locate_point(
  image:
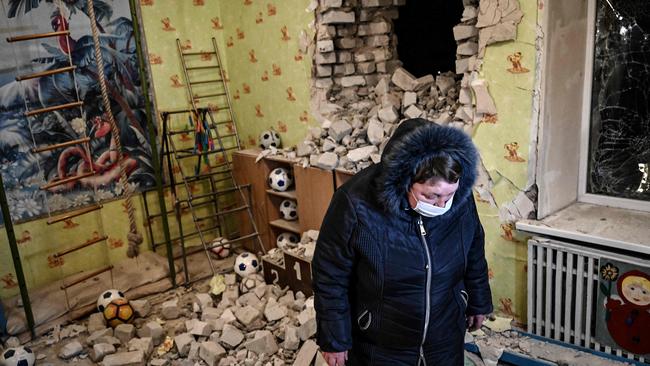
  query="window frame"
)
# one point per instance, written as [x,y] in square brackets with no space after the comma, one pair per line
[583,170]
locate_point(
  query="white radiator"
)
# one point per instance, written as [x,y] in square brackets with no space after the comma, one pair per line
[563,292]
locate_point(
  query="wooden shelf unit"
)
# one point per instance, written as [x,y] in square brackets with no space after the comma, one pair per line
[312,190]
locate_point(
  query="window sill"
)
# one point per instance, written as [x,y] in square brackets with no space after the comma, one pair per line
[600,225]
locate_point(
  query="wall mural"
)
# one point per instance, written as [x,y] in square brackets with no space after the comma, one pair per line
[24,171]
[623,319]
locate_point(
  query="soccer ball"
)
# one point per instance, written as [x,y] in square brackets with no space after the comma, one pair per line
[270,138]
[287,240]
[19,356]
[223,250]
[280,179]
[246,264]
[106,297]
[117,312]
[289,210]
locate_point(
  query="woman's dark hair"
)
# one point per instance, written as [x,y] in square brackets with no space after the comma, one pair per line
[444,167]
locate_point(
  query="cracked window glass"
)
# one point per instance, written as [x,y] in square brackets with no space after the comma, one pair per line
[619,146]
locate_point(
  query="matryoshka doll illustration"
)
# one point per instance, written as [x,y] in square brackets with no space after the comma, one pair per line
[628,318]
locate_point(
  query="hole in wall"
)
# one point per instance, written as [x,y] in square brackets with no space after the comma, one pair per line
[425,41]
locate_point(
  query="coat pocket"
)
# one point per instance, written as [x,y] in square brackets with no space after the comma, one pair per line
[364,320]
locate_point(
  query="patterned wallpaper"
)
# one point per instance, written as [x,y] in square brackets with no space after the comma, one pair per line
[504,143]
[259,43]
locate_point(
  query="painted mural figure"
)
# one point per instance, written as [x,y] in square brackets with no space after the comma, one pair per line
[628,318]
[19,135]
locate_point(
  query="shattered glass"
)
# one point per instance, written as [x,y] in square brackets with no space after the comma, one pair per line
[619,148]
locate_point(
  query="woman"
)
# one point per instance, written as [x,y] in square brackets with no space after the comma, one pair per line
[399,270]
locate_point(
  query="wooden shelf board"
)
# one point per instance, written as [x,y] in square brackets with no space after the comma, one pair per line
[292,226]
[291,194]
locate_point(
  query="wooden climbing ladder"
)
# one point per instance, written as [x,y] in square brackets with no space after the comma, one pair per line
[32,114]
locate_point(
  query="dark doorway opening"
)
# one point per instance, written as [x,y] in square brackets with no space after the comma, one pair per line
[425,39]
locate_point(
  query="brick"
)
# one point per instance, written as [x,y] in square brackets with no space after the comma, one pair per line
[337,17]
[366,67]
[403,79]
[377,41]
[211,353]
[464,31]
[324,58]
[124,332]
[231,336]
[344,69]
[346,43]
[325,46]
[125,359]
[376,3]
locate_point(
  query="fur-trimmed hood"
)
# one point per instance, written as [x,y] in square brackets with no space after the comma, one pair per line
[414,141]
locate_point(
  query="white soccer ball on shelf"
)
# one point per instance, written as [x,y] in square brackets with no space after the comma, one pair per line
[106,297]
[18,356]
[280,179]
[289,210]
[246,264]
[270,138]
[287,240]
[221,247]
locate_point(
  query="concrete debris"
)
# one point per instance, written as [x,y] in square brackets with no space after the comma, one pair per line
[125,359]
[96,322]
[211,353]
[70,350]
[170,309]
[142,308]
[141,344]
[183,343]
[231,336]
[100,351]
[263,342]
[124,332]
[306,353]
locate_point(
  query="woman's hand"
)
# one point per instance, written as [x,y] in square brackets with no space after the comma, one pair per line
[335,358]
[475,322]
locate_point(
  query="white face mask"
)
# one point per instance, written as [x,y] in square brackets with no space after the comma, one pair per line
[429,210]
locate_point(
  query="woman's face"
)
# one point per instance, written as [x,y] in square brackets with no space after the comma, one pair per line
[435,191]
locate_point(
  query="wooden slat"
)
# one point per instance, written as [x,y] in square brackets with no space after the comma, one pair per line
[286,194]
[27,37]
[203,67]
[67,180]
[197,53]
[45,73]
[205,81]
[209,95]
[53,108]
[292,226]
[83,278]
[61,145]
[73,214]
[80,246]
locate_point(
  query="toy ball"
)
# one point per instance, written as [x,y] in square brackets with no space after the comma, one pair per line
[18,356]
[270,138]
[106,297]
[287,240]
[221,247]
[280,179]
[246,264]
[117,312]
[289,210]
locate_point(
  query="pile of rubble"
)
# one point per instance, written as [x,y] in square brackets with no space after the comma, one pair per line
[303,249]
[251,324]
[364,93]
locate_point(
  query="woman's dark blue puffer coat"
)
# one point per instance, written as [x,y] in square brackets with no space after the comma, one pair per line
[391,289]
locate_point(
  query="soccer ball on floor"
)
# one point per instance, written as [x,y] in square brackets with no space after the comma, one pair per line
[270,138]
[289,210]
[106,297]
[118,311]
[18,356]
[246,264]
[287,240]
[223,248]
[280,179]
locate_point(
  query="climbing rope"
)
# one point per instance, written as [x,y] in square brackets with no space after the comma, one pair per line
[134,238]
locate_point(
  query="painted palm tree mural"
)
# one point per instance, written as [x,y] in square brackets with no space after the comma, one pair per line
[23,171]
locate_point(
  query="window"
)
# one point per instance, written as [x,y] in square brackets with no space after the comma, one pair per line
[615,154]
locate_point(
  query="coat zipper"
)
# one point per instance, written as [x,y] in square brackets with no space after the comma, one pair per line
[427,311]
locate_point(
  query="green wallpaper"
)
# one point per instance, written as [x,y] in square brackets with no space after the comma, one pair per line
[504,144]
[259,43]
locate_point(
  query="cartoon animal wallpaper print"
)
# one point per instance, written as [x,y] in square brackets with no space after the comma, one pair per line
[512,152]
[515,60]
[167,25]
[624,307]
[216,23]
